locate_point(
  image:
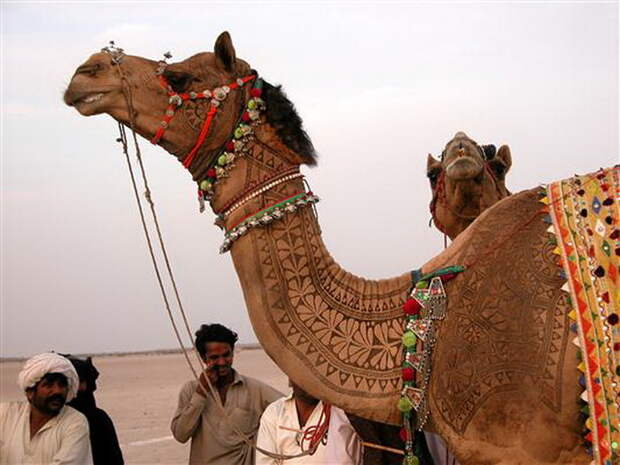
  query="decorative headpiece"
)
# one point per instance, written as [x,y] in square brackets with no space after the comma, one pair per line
[115,52]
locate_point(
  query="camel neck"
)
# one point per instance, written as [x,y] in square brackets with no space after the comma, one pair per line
[300,299]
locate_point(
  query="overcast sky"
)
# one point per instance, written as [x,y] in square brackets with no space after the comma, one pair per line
[379,85]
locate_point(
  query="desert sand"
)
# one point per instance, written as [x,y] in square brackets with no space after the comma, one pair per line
[140,393]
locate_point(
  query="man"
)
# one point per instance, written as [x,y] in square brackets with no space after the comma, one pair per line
[44,430]
[215,435]
[301,422]
[103,439]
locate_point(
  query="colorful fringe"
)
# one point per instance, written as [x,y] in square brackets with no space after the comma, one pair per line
[584,213]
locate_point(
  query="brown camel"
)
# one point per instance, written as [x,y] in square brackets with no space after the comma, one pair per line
[467,180]
[503,387]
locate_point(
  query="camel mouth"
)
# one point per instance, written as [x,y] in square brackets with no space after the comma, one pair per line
[86,103]
[91,98]
[79,98]
[463,167]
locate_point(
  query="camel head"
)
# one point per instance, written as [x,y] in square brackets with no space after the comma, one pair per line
[105,83]
[466,180]
[97,87]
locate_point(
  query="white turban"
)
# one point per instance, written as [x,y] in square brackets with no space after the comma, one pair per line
[38,366]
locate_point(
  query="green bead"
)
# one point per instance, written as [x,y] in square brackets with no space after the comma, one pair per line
[205,185]
[614,445]
[238,133]
[409,339]
[411,460]
[222,160]
[404,404]
[421,285]
[252,104]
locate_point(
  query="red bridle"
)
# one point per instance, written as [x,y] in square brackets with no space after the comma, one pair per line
[176,100]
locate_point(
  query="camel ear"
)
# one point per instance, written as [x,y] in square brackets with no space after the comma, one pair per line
[431,163]
[433,169]
[225,52]
[502,162]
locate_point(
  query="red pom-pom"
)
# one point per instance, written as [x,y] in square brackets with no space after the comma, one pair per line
[411,307]
[230,146]
[403,434]
[408,374]
[211,173]
[245,116]
[256,92]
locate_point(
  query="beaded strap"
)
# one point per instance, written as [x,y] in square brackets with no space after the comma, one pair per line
[266,216]
[425,305]
[258,192]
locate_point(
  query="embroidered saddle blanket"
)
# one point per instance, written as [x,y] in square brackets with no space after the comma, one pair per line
[586,222]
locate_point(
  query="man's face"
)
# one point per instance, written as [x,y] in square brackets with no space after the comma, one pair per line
[219,357]
[302,395]
[50,394]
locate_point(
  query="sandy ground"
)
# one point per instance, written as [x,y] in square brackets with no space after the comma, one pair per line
[140,393]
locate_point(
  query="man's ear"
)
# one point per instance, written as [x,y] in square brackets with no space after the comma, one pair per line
[225,52]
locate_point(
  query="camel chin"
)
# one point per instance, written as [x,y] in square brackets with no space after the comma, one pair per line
[464,168]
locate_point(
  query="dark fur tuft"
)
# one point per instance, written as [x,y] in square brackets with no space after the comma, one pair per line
[281,114]
[489,151]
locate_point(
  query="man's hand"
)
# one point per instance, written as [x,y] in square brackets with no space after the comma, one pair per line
[210,371]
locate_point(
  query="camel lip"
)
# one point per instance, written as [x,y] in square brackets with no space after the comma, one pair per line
[464,167]
[73,99]
[462,160]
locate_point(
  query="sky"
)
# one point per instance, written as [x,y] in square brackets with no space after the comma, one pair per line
[378,85]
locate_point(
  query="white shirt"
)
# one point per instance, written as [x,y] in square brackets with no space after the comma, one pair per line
[63,440]
[279,432]
[439,450]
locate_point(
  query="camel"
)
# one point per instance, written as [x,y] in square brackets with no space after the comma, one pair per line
[466,180]
[503,387]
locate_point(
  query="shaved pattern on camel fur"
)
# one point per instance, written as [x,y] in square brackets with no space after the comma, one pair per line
[504,382]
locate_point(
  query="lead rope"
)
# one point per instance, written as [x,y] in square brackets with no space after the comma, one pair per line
[123,140]
[147,193]
[218,401]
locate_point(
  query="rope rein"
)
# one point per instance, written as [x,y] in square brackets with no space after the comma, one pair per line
[147,193]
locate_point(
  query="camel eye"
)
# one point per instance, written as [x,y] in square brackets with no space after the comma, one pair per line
[90,69]
[498,168]
[178,80]
[433,176]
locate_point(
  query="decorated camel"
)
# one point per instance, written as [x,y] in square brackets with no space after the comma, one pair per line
[478,342]
[466,180]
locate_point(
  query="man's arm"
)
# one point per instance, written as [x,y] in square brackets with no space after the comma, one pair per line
[75,444]
[187,416]
[266,438]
